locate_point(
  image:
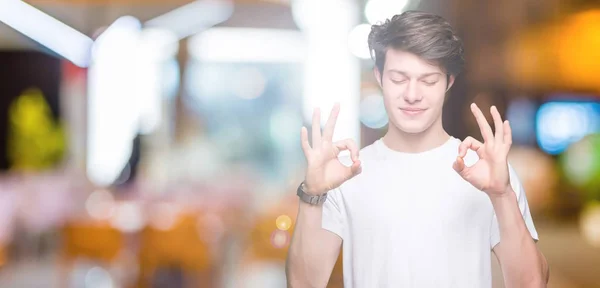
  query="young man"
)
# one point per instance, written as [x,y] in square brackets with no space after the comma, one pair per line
[417,208]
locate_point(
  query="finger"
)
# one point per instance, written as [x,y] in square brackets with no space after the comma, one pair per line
[304,139]
[330,126]
[352,171]
[484,127]
[507,133]
[498,126]
[469,143]
[316,128]
[459,165]
[348,144]
[356,168]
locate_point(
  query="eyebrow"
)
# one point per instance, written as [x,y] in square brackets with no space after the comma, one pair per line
[419,76]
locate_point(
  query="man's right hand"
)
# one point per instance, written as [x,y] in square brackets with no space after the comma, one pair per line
[324,171]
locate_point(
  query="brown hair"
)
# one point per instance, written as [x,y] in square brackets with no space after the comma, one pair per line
[426,35]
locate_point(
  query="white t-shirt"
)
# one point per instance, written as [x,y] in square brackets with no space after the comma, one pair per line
[409,220]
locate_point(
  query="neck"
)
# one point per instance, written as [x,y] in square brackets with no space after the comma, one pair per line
[432,137]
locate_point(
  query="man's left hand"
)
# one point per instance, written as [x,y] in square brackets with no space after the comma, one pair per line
[490,173]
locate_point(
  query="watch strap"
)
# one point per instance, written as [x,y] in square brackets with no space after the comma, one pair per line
[310,199]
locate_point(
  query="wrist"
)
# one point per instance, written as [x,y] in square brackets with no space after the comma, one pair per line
[499,198]
[313,190]
[310,198]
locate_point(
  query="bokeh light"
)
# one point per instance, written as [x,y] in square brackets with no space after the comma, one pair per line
[211,227]
[86,273]
[128,217]
[578,49]
[280,239]
[171,79]
[521,114]
[164,215]
[590,223]
[378,11]
[113,105]
[310,15]
[250,83]
[283,222]
[358,41]
[561,123]
[372,111]
[206,83]
[158,44]
[581,164]
[538,174]
[98,277]
[100,205]
[283,124]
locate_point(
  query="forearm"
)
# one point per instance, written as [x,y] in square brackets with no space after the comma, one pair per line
[313,250]
[522,263]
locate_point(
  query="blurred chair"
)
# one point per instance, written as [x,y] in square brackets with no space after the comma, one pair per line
[337,278]
[3,256]
[263,247]
[93,240]
[181,246]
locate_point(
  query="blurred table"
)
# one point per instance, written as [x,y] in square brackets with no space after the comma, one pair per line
[569,255]
[573,262]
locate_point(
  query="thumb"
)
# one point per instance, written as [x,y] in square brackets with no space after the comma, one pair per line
[459,165]
[355,169]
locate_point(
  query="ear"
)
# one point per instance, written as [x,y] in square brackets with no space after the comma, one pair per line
[450,82]
[377,75]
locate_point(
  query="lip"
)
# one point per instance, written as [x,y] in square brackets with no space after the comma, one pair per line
[412,111]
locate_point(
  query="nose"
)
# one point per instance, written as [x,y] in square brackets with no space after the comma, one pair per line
[411,95]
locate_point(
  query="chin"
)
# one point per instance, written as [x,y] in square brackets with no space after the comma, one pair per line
[410,127]
[412,130]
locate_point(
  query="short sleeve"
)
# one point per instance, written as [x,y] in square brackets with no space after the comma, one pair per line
[523,207]
[333,218]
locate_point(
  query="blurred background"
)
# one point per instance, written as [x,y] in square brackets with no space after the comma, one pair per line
[156,143]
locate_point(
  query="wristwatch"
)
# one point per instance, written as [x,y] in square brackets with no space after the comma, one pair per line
[310,199]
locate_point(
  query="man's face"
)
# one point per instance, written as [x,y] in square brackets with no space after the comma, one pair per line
[413,91]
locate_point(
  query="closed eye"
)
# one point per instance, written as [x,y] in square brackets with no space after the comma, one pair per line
[398,81]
